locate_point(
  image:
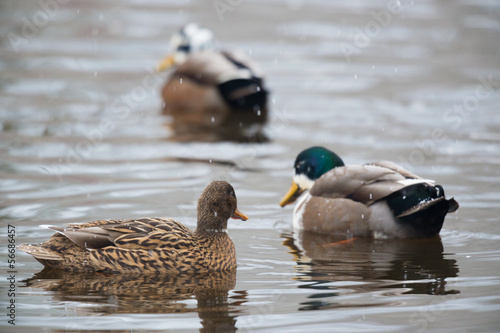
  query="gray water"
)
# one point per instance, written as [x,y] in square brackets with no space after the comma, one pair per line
[82,138]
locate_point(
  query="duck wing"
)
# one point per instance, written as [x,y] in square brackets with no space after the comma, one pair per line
[207,68]
[395,167]
[214,68]
[241,61]
[362,183]
[143,233]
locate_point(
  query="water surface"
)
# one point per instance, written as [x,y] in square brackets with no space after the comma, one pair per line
[82,138]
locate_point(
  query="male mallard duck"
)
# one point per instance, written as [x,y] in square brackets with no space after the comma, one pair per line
[148,244]
[212,90]
[376,199]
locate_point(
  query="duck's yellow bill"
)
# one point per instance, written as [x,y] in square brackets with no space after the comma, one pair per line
[165,63]
[239,215]
[293,193]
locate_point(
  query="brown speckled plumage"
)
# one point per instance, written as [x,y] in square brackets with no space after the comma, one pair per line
[148,244]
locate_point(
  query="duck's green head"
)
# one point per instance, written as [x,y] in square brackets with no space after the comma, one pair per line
[309,165]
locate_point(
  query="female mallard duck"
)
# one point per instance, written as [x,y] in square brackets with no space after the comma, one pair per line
[148,245]
[376,199]
[210,90]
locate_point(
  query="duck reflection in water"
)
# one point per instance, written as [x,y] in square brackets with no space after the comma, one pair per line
[416,266]
[157,293]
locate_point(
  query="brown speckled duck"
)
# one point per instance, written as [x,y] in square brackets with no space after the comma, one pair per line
[148,245]
[212,91]
[379,199]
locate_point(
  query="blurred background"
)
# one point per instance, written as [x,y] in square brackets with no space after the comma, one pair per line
[82,138]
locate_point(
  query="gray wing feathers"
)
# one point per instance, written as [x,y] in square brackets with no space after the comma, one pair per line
[363,183]
[395,167]
[90,238]
[212,68]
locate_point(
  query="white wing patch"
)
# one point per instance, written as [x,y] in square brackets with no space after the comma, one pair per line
[408,182]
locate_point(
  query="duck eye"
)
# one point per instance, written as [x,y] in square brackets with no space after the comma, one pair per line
[231,193]
[303,167]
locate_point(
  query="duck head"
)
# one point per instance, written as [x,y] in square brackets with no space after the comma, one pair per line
[309,165]
[191,38]
[216,205]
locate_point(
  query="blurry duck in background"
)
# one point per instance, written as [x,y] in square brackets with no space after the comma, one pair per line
[379,199]
[212,95]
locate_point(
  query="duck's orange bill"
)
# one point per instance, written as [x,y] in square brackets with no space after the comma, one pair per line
[239,215]
[165,63]
[293,193]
